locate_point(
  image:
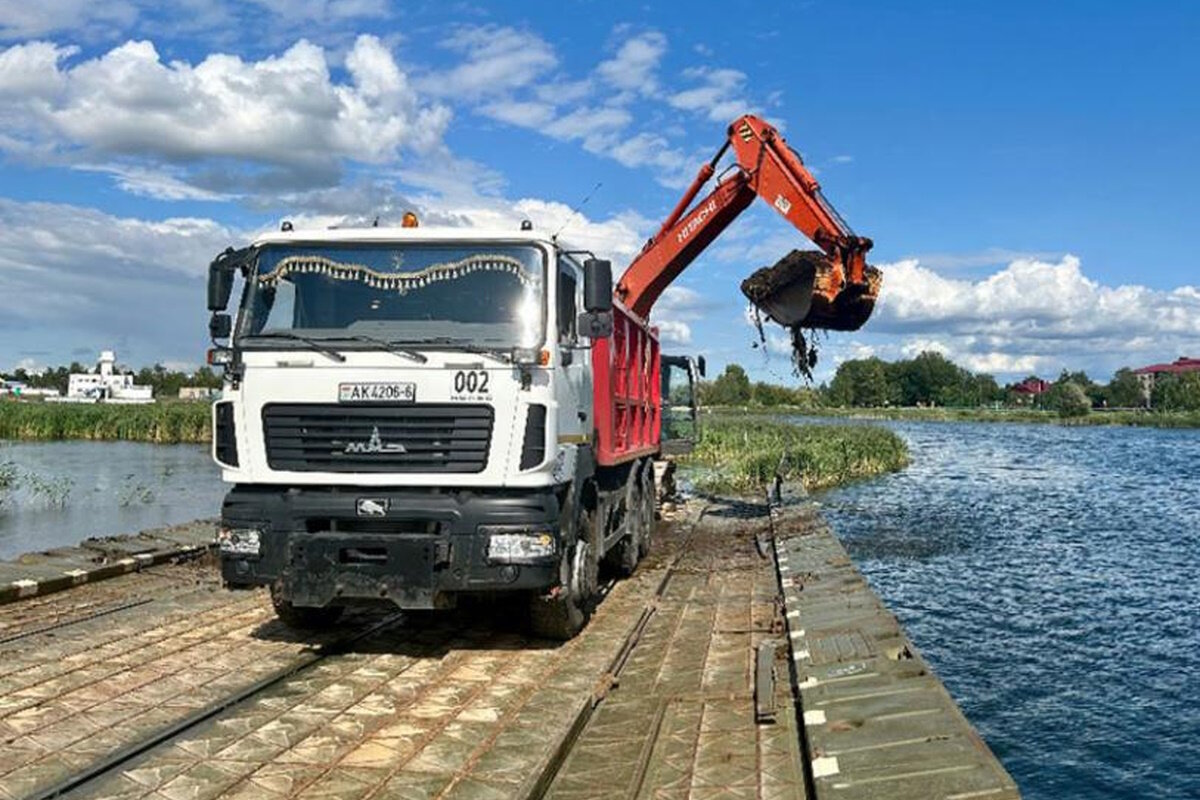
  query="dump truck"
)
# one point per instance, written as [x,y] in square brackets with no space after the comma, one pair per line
[413,415]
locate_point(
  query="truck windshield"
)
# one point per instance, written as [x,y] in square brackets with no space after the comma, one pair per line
[490,295]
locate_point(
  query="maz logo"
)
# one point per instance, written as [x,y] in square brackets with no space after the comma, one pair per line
[375,445]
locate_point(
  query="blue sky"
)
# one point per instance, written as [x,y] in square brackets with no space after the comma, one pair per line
[1027,170]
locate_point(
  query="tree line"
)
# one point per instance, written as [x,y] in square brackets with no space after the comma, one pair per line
[165,382]
[931,379]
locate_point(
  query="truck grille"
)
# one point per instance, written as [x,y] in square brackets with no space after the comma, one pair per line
[313,437]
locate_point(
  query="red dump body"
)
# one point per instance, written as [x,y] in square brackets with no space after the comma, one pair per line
[627,388]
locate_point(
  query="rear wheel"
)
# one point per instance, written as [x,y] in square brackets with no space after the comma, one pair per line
[649,508]
[563,613]
[304,617]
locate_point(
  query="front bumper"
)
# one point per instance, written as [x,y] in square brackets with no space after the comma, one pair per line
[417,548]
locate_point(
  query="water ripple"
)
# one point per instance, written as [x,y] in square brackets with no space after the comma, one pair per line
[1050,576]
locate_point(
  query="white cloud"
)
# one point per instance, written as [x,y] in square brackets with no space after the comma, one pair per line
[1034,315]
[719,95]
[324,10]
[1030,297]
[522,113]
[497,60]
[633,67]
[676,310]
[672,331]
[283,116]
[24,20]
[86,279]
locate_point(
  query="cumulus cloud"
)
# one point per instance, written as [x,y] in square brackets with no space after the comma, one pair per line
[1034,315]
[223,125]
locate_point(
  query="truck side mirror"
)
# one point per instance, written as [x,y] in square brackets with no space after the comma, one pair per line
[220,281]
[597,320]
[700,366]
[597,285]
[220,325]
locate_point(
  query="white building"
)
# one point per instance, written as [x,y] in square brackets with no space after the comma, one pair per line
[106,385]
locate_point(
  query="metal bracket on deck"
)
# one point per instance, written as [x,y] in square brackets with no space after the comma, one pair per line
[764,681]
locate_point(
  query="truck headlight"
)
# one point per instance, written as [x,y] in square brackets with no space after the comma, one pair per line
[508,546]
[239,541]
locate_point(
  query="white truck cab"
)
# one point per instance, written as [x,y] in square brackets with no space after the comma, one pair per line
[407,417]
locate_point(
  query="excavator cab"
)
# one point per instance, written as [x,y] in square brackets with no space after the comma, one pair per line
[680,405]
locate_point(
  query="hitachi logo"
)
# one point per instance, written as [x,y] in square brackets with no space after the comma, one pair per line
[698,218]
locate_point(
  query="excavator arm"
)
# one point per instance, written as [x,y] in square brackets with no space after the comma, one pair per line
[834,289]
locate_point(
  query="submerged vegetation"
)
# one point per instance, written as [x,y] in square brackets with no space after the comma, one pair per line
[163,423]
[743,454]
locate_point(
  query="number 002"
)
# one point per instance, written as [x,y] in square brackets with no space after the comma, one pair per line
[471,381]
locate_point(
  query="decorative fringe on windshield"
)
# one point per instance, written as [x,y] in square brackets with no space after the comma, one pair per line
[399,281]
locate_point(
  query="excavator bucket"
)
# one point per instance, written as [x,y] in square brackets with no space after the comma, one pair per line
[804,289]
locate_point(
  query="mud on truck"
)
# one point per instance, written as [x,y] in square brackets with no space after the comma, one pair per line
[412,415]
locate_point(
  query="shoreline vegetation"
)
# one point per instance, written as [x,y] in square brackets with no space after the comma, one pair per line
[190,422]
[1141,418]
[165,422]
[741,454]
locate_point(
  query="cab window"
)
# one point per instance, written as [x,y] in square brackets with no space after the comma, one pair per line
[569,287]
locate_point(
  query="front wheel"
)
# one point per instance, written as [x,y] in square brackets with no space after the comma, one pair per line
[563,614]
[303,617]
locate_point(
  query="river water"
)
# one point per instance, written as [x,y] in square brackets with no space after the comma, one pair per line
[1050,575]
[64,492]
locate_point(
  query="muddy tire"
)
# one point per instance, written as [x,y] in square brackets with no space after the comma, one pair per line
[628,551]
[563,614]
[649,509]
[302,617]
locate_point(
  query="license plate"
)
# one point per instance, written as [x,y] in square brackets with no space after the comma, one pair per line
[377,392]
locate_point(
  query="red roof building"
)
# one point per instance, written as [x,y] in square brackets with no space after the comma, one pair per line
[1032,387]
[1175,367]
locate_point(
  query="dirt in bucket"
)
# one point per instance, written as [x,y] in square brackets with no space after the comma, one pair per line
[795,292]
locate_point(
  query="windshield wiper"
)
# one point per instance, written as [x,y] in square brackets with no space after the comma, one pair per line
[319,346]
[391,347]
[468,346]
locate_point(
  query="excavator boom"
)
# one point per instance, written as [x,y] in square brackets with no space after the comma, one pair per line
[834,289]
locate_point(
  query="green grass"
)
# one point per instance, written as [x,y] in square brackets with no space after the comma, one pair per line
[740,455]
[163,423]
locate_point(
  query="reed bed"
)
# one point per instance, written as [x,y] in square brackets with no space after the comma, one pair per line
[1140,418]
[162,423]
[741,455]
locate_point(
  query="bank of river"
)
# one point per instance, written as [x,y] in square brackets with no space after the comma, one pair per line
[64,492]
[1049,574]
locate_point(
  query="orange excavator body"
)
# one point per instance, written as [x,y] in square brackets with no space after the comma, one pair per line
[834,289]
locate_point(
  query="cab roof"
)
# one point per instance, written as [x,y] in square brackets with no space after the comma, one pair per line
[421,234]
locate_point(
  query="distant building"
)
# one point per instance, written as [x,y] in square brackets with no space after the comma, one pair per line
[106,385]
[197,393]
[1030,388]
[1148,374]
[21,389]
